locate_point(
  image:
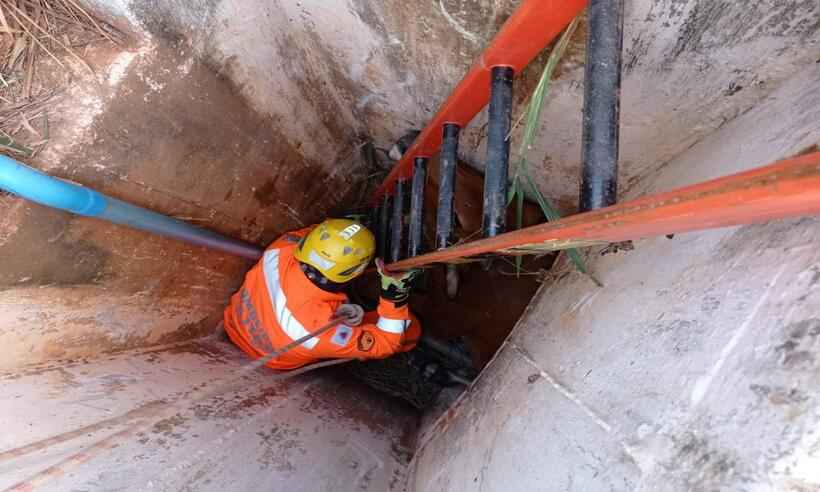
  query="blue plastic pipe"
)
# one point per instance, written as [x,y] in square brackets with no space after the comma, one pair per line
[36,186]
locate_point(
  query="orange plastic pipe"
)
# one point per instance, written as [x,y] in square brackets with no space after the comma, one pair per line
[528,31]
[788,188]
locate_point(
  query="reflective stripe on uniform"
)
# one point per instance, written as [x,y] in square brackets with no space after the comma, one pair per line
[396,326]
[249,319]
[290,325]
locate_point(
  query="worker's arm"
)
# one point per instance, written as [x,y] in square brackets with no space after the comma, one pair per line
[380,335]
[383,333]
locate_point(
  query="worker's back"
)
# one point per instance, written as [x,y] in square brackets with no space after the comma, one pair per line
[278,304]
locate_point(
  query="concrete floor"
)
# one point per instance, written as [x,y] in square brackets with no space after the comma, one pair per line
[316,432]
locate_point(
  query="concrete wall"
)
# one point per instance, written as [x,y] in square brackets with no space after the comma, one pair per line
[315,432]
[379,68]
[162,127]
[331,72]
[694,368]
[243,117]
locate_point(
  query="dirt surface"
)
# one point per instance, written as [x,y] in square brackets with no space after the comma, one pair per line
[487,307]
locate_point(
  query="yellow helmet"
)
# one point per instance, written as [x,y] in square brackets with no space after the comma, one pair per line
[339,248]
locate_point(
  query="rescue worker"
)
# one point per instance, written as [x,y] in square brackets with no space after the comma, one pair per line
[297,287]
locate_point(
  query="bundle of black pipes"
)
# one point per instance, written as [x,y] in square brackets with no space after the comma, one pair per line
[599,154]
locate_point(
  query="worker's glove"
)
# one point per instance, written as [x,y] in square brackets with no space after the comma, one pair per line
[395,286]
[352,313]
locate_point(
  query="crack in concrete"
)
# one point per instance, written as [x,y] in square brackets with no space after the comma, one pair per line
[571,396]
[703,383]
[566,392]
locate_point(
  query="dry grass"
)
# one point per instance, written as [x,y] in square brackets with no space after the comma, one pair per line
[41,36]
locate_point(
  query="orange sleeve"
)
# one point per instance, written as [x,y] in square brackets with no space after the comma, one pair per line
[381,334]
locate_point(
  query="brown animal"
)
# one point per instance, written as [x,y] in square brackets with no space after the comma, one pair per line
[468,203]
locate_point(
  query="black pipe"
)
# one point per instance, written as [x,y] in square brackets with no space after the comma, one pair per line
[384,227]
[372,223]
[415,236]
[373,219]
[397,223]
[446,350]
[447,185]
[602,95]
[498,151]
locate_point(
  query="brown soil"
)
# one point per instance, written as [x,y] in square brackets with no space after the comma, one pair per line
[489,302]
[487,306]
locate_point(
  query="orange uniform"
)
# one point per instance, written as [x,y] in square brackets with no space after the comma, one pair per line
[278,304]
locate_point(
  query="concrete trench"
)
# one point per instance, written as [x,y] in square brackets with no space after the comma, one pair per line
[695,367]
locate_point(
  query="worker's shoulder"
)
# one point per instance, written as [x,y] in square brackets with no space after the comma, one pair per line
[289,239]
[297,235]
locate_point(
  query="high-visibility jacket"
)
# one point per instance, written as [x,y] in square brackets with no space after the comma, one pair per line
[278,304]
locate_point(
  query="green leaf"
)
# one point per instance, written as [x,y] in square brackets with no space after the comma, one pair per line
[550,212]
[519,221]
[575,256]
[537,101]
[530,129]
[514,188]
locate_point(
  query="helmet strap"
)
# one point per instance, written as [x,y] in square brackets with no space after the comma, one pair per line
[319,280]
